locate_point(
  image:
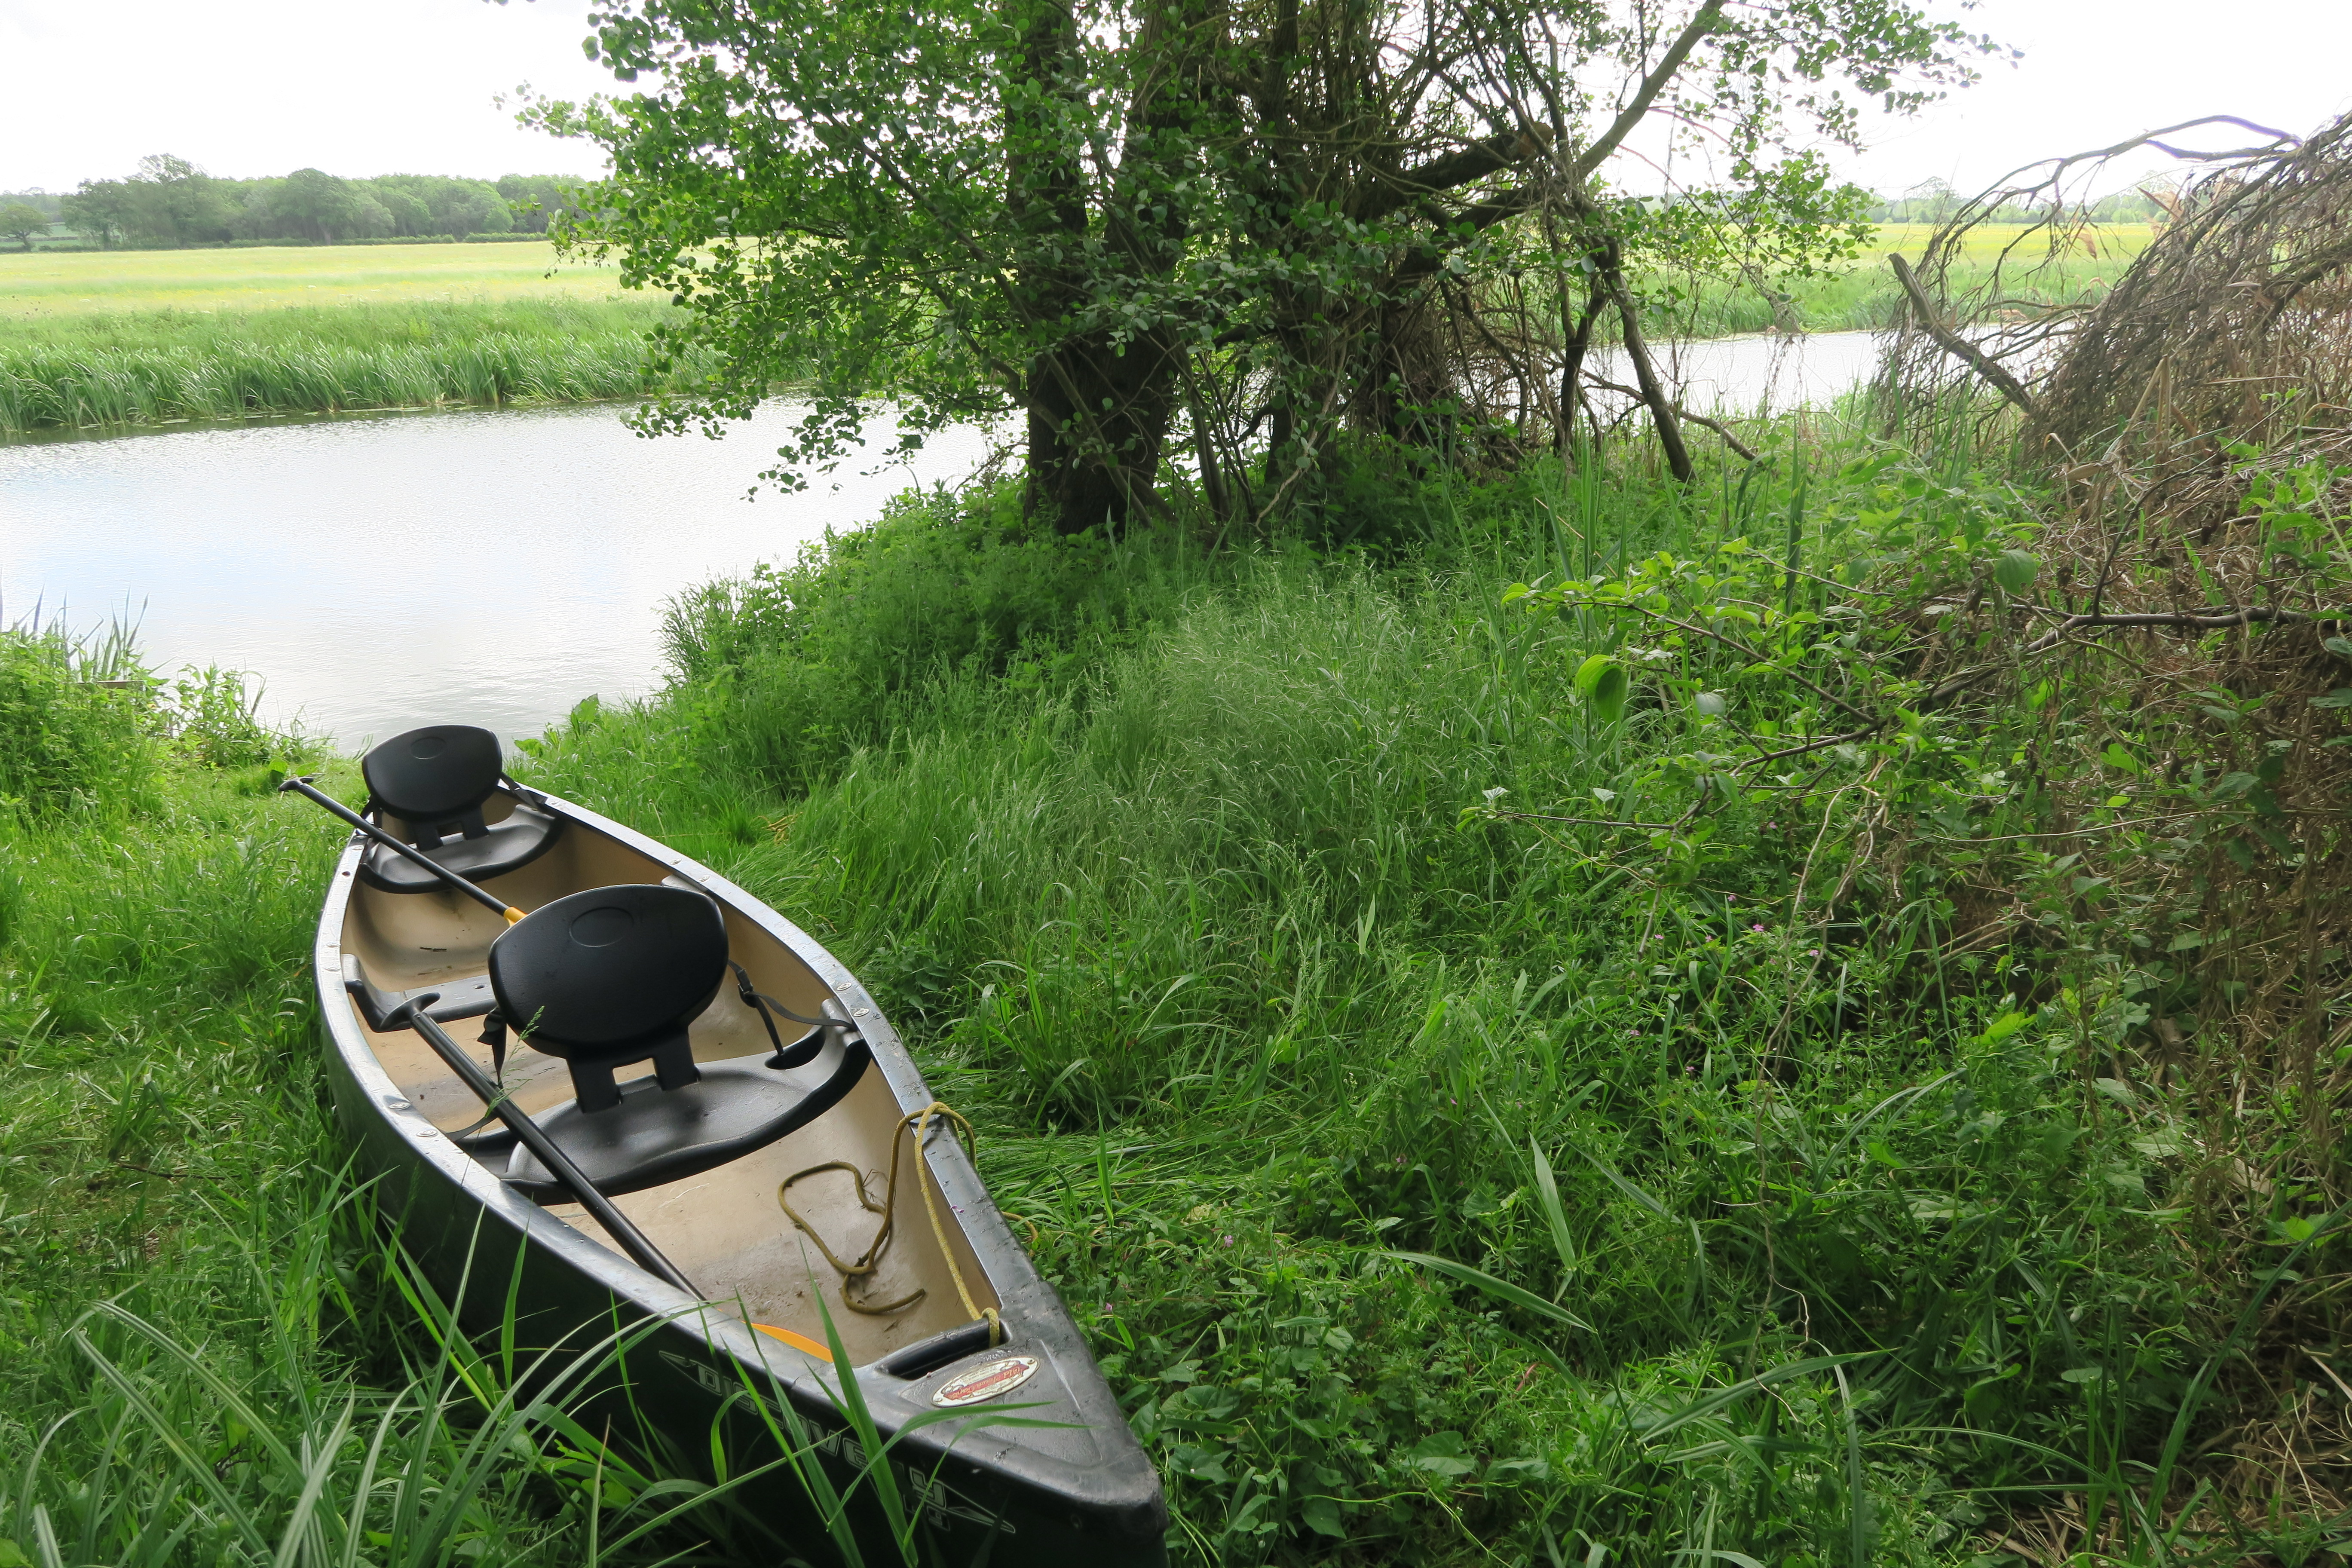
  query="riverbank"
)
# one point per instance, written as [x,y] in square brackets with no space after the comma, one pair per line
[125,340]
[118,371]
[1443,1157]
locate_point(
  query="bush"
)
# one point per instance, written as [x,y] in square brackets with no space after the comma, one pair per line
[804,663]
[215,721]
[67,741]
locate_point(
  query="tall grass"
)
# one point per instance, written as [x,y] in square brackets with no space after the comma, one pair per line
[1444,1165]
[112,370]
[1254,1014]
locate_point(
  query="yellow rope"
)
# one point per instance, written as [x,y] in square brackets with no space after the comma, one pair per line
[867,1263]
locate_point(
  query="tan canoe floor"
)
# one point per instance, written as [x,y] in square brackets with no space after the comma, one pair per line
[724,1228]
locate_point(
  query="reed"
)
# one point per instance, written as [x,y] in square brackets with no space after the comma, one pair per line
[119,371]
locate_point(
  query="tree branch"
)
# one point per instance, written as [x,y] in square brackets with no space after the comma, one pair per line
[1952,344]
[1593,157]
[1730,440]
[1476,162]
[2214,621]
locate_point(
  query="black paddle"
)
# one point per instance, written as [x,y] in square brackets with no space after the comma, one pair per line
[490,901]
[644,1253]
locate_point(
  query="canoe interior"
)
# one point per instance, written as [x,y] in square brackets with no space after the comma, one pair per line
[723,1228]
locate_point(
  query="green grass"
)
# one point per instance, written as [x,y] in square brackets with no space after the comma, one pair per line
[1864,296]
[1439,1179]
[1246,1010]
[131,337]
[113,339]
[85,372]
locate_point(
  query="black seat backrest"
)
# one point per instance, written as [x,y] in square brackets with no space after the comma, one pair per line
[611,976]
[433,778]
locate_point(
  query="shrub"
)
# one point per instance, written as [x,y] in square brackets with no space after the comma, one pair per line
[802,663]
[67,741]
[213,720]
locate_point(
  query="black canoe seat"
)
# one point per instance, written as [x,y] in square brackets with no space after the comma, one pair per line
[614,976]
[436,780]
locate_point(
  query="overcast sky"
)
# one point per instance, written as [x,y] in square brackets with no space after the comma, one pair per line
[372,86]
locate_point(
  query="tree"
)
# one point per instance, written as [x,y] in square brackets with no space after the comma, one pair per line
[535,198]
[1265,222]
[410,216]
[318,205]
[20,221]
[102,210]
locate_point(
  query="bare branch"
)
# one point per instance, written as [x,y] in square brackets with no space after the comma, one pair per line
[1931,321]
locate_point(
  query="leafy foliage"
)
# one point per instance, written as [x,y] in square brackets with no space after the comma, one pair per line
[1475,1109]
[1112,220]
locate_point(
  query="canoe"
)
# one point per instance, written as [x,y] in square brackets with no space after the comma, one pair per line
[788,1086]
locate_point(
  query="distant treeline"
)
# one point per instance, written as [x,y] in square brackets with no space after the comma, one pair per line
[1936,201]
[171,202]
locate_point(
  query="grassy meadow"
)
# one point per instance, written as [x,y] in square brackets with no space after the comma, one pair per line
[270,278]
[1448,1163]
[108,339]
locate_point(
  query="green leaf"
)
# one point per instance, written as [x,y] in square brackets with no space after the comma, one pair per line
[1548,1194]
[1605,684]
[2000,1028]
[2340,697]
[1321,1515]
[1609,693]
[1501,1289]
[2115,756]
[2015,571]
[1442,1454]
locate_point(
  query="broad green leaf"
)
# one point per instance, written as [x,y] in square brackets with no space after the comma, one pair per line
[1501,1289]
[2015,571]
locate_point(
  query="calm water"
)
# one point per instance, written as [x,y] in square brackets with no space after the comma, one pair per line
[495,567]
[489,567]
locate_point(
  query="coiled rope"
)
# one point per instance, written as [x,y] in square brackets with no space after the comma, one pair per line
[868,1262]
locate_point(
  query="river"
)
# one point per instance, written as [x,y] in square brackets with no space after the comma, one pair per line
[494,566]
[490,567]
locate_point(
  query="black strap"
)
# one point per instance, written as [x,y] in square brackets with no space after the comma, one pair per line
[494,1034]
[801,1051]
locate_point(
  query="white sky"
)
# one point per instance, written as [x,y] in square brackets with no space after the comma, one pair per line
[371,87]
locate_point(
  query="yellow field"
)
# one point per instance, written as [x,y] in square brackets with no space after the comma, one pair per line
[91,282]
[2100,242]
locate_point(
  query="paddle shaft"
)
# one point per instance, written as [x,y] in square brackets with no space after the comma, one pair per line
[641,1251]
[488,901]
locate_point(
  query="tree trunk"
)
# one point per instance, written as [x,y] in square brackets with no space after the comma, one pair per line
[1100,405]
[1663,413]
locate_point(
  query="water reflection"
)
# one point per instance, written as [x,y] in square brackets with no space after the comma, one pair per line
[489,567]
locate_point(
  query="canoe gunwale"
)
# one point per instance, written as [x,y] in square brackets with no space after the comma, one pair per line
[1122,1487]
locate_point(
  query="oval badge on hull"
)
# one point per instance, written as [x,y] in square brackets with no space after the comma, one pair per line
[986,1382]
